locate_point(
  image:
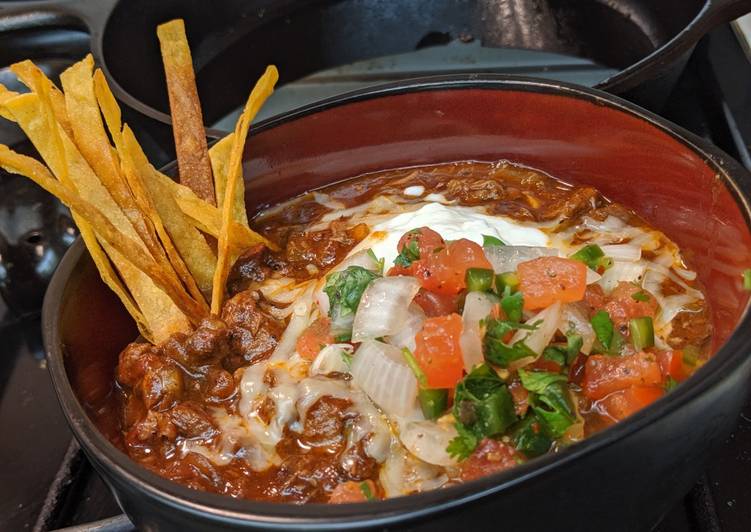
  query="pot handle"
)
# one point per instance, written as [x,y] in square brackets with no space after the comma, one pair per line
[718,12]
[40,14]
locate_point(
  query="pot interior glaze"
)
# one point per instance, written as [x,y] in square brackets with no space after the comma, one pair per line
[580,136]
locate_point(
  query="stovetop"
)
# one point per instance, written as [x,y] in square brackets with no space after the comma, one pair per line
[47,484]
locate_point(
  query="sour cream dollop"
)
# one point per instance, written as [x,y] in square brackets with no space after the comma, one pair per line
[452,222]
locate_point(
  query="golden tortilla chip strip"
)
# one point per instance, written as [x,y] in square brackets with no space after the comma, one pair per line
[208,218]
[91,139]
[219,154]
[136,172]
[75,173]
[127,247]
[190,243]
[262,90]
[33,77]
[185,108]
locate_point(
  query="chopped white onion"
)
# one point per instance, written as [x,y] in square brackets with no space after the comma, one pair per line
[403,474]
[574,317]
[301,318]
[477,306]
[621,271]
[380,371]
[592,276]
[412,325]
[671,305]
[326,201]
[383,307]
[537,340]
[689,275]
[622,252]
[332,359]
[507,258]
[427,440]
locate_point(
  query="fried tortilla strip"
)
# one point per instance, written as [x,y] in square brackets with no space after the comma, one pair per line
[160,313]
[33,77]
[185,108]
[191,244]
[91,139]
[6,95]
[219,154]
[188,252]
[127,247]
[208,218]
[262,90]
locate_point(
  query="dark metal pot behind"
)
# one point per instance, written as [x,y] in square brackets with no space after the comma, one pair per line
[624,478]
[648,41]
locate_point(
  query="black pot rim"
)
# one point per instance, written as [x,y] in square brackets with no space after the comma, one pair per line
[728,359]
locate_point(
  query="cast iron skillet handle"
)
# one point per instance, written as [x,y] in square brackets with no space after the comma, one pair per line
[39,14]
[722,11]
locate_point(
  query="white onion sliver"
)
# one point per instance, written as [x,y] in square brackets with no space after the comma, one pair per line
[378,369]
[622,252]
[688,275]
[538,339]
[383,308]
[477,306]
[332,359]
[413,324]
[507,258]
[574,317]
[592,276]
[297,324]
[621,271]
[427,440]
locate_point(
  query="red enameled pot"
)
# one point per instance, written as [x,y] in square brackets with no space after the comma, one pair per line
[624,478]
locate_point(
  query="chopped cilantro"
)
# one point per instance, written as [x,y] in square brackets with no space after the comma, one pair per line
[489,240]
[345,289]
[483,407]
[409,253]
[640,296]
[670,384]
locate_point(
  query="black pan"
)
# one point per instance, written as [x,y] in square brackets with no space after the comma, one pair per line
[624,478]
[647,41]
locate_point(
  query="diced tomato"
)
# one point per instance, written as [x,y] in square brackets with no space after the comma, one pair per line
[604,374]
[353,492]
[545,280]
[491,456]
[622,307]
[594,297]
[438,351]
[622,403]
[543,364]
[441,266]
[436,304]
[445,270]
[671,364]
[315,338]
[520,395]
[428,241]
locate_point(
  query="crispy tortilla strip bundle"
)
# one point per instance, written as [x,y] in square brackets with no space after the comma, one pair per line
[160,314]
[185,108]
[208,218]
[262,90]
[219,154]
[187,250]
[125,246]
